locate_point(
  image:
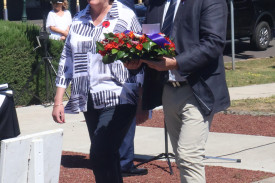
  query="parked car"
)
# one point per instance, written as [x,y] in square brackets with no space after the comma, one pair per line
[254,19]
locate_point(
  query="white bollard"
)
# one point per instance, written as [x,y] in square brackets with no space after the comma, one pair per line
[36,165]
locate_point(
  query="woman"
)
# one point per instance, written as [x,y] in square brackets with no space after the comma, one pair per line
[59,20]
[107,94]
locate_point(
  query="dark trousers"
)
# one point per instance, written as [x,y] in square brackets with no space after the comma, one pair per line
[126,149]
[107,128]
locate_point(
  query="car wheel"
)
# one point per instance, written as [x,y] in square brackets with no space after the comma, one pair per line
[261,36]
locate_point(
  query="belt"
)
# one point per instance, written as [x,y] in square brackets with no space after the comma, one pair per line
[176,84]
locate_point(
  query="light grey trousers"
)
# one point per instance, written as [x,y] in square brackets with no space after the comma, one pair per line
[188,131]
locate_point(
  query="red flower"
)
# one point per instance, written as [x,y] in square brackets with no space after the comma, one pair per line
[106,24]
[129,45]
[131,35]
[114,45]
[110,46]
[139,47]
[120,41]
[102,53]
[143,39]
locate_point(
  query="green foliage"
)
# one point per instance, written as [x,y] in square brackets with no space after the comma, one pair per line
[18,61]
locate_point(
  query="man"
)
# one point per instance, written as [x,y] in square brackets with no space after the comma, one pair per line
[191,86]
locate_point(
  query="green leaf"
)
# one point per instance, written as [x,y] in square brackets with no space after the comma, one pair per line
[105,59]
[112,34]
[148,45]
[109,36]
[120,54]
[114,51]
[99,46]
[126,55]
[106,35]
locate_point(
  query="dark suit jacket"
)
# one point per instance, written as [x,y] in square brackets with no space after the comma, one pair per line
[199,33]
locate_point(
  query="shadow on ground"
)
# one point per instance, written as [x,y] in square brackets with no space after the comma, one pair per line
[75,161]
[243,50]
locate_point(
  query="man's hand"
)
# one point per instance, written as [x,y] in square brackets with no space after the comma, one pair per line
[164,64]
[133,64]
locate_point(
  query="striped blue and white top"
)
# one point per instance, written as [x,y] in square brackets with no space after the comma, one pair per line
[80,65]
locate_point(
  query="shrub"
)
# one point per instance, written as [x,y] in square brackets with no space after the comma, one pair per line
[18,61]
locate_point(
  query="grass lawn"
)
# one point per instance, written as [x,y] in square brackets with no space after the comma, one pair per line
[265,105]
[249,72]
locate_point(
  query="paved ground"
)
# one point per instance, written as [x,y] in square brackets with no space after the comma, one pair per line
[255,152]
[244,51]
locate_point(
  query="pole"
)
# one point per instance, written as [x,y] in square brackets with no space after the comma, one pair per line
[24,14]
[77,6]
[5,10]
[232,34]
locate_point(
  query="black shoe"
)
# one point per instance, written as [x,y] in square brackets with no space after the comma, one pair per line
[135,171]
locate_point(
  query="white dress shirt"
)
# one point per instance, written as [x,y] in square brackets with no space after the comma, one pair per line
[174,75]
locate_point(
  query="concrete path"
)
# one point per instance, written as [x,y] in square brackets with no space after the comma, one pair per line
[255,152]
[252,91]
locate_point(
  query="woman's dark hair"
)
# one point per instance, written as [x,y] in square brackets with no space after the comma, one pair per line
[111,1]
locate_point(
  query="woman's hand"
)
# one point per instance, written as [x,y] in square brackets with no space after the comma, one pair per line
[164,64]
[58,113]
[65,33]
[63,38]
[133,64]
[58,108]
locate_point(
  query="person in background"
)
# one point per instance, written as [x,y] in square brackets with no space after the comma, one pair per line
[126,149]
[107,94]
[129,3]
[191,86]
[59,20]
